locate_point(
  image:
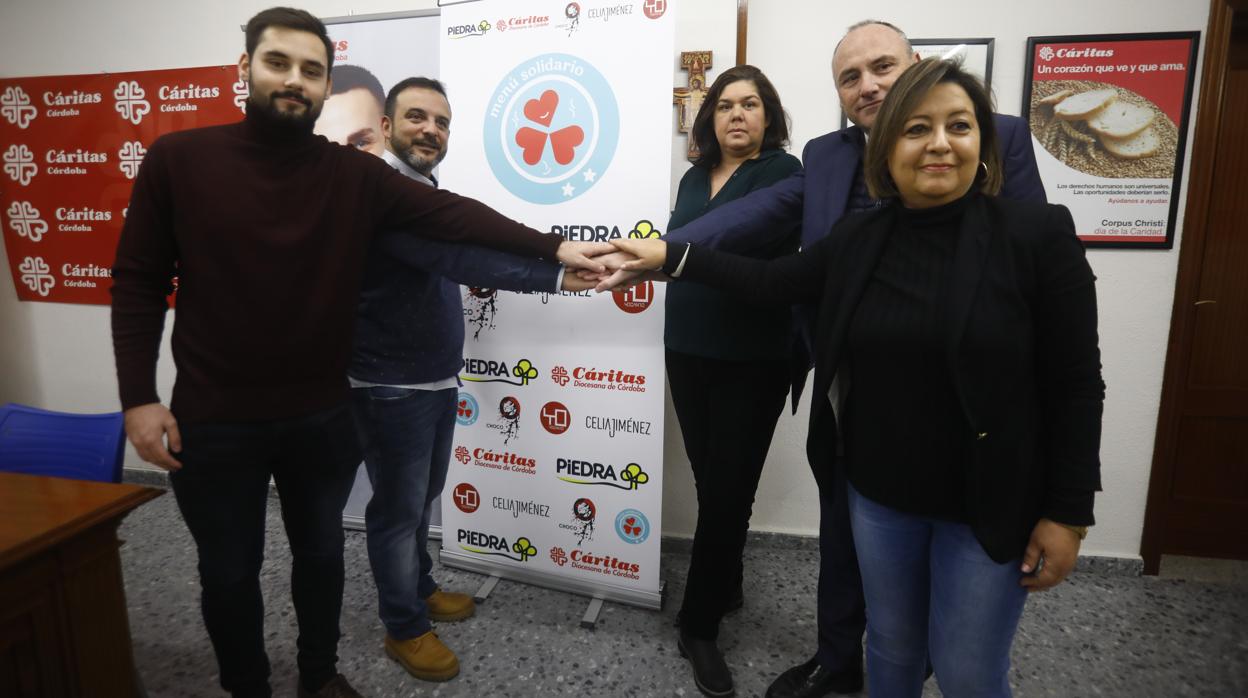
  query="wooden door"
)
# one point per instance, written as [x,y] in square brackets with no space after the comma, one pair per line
[1198,494]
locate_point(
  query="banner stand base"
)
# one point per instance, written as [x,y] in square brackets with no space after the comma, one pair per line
[590,620]
[595,589]
[484,592]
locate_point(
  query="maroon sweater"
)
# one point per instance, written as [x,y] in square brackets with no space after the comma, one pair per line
[266,231]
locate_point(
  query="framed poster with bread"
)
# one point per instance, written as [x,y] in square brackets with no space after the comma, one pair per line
[1108,115]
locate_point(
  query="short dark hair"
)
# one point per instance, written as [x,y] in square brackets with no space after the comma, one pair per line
[903,98]
[421,82]
[288,18]
[353,77]
[776,134]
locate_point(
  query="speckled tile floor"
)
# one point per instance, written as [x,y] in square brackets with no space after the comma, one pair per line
[1094,636]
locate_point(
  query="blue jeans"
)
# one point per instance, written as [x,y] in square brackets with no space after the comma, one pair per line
[931,588]
[222,492]
[407,447]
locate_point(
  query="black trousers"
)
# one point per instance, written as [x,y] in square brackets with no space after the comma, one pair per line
[727,412]
[842,608]
[222,491]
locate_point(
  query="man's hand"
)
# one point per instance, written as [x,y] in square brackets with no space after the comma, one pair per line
[573,282]
[619,280]
[148,426]
[576,255]
[1057,546]
[614,260]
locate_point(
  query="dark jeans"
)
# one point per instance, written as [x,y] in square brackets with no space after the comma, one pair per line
[222,491]
[407,447]
[727,412]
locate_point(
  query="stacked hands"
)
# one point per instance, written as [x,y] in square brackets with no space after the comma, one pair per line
[606,266]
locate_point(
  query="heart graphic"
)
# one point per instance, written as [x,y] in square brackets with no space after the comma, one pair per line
[533,142]
[563,143]
[542,109]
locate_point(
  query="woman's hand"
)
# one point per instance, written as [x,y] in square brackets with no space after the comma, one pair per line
[650,253]
[1058,548]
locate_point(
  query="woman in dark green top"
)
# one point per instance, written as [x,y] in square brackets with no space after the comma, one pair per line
[726,358]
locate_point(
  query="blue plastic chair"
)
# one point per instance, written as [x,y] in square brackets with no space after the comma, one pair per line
[61,444]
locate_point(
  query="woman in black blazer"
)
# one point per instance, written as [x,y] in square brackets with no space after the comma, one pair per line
[957,380]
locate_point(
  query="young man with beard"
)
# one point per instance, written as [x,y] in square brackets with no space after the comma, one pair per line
[409,342]
[266,227]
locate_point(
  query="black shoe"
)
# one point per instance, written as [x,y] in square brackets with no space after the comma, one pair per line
[336,688]
[710,671]
[811,680]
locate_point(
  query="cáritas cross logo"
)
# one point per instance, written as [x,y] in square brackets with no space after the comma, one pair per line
[16,107]
[26,221]
[37,275]
[130,102]
[19,164]
[130,157]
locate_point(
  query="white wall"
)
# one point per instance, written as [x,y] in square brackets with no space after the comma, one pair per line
[59,356]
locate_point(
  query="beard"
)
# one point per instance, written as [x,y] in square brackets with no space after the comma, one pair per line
[406,151]
[275,115]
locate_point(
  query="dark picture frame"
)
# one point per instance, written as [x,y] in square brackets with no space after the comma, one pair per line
[1133,45]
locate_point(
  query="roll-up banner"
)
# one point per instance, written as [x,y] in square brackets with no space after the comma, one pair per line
[372,53]
[562,121]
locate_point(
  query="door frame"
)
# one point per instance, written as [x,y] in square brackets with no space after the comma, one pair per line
[1187,284]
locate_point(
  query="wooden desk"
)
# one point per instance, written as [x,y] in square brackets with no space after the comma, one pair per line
[63,624]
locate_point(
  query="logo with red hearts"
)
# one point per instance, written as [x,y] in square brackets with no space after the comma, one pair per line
[466,497]
[555,417]
[551,129]
[466,410]
[462,455]
[632,526]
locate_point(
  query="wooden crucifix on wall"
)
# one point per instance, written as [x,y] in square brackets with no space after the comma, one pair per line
[689,99]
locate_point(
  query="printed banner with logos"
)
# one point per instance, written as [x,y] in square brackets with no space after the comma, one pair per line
[371,54]
[1108,114]
[71,148]
[562,121]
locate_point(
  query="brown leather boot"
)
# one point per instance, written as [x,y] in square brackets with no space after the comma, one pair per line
[424,657]
[449,605]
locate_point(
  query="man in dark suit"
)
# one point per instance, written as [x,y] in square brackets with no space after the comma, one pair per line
[866,62]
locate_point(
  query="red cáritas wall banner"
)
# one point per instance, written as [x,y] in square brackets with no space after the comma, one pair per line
[71,146]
